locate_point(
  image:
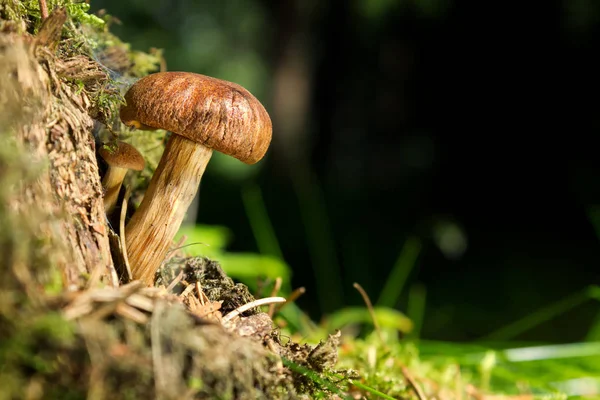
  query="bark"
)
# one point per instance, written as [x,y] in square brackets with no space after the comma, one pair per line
[49,115]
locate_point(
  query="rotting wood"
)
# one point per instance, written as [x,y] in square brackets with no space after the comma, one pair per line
[52,120]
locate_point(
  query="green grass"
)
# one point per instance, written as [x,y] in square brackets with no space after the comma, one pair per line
[551,311]
[545,369]
[261,225]
[319,238]
[497,363]
[405,263]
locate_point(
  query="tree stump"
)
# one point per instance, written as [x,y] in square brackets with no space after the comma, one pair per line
[44,110]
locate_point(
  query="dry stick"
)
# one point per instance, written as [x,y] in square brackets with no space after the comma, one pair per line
[274,292]
[163,64]
[122,231]
[252,304]
[132,313]
[111,298]
[271,346]
[186,291]
[201,294]
[43,9]
[140,301]
[295,294]
[130,288]
[76,311]
[413,384]
[193,303]
[292,297]
[370,308]
[175,281]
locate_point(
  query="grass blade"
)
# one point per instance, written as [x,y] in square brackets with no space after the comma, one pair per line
[545,314]
[594,331]
[520,354]
[404,265]
[260,223]
[416,309]
[370,390]
[387,318]
[319,238]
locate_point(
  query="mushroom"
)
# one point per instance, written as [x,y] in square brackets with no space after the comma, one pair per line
[203,114]
[120,158]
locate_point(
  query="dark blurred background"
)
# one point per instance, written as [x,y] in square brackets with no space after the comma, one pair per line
[468,126]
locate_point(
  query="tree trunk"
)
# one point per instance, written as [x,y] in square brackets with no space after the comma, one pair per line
[48,114]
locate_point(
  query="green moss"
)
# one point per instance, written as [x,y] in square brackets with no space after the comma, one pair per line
[54,284]
[79,13]
[146,63]
[77,10]
[111,63]
[111,147]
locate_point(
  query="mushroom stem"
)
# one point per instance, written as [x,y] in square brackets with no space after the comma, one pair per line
[111,183]
[150,232]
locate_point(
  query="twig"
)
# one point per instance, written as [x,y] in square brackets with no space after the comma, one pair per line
[252,304]
[193,303]
[186,291]
[103,311]
[175,281]
[274,292]
[271,346]
[370,308]
[127,311]
[122,231]
[295,294]
[76,311]
[43,9]
[141,302]
[131,287]
[201,294]
[413,383]
[292,297]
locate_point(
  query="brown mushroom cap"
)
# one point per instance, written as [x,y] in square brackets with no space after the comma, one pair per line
[220,115]
[122,155]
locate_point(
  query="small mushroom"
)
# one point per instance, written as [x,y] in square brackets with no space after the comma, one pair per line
[203,114]
[120,158]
